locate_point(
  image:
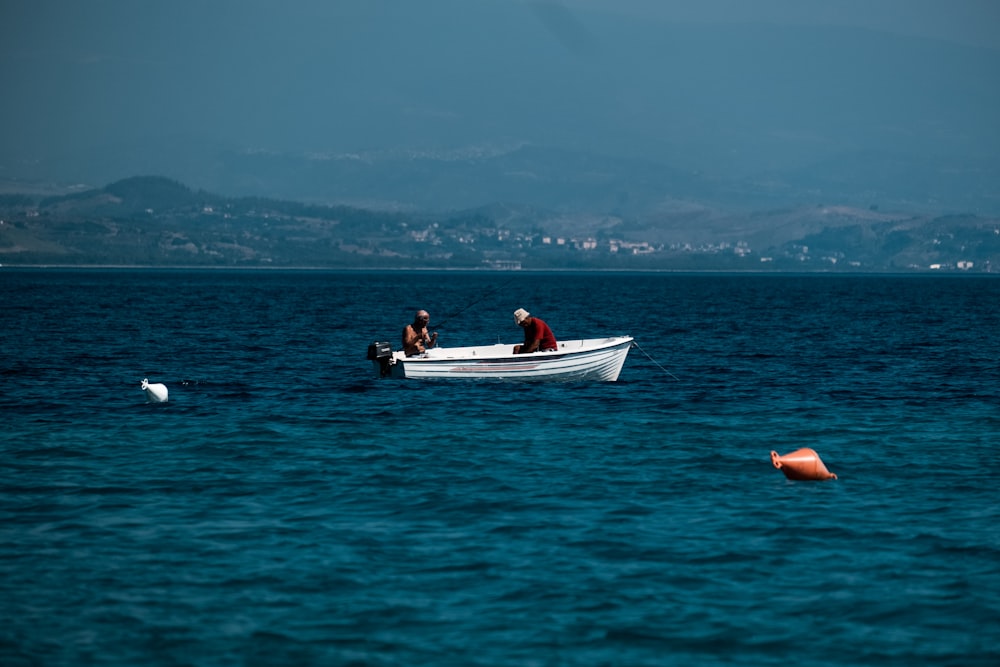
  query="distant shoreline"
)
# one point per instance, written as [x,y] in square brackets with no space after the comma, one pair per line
[320,269]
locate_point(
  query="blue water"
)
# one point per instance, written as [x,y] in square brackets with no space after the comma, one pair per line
[285,507]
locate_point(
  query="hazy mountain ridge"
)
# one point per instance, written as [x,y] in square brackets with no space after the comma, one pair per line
[571,180]
[154,221]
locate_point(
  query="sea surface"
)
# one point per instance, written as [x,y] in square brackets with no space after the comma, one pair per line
[286,507]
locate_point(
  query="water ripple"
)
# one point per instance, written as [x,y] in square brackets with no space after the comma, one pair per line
[285,507]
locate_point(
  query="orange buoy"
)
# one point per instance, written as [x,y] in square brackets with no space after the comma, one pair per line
[801,465]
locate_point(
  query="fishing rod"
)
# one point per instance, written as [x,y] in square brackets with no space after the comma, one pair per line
[452,316]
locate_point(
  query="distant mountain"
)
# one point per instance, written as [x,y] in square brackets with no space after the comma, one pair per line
[156,221]
[523,174]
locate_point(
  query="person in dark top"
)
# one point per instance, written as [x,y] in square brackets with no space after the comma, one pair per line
[538,337]
[415,337]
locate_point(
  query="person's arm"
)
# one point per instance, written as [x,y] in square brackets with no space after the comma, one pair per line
[532,344]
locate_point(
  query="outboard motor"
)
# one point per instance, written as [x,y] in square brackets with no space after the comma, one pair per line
[381,354]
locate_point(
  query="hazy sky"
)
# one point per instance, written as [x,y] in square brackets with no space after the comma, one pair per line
[974,22]
[107,88]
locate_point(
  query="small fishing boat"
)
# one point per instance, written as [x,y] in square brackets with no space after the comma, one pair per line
[590,359]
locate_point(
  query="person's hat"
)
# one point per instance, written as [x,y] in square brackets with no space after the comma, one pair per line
[521,315]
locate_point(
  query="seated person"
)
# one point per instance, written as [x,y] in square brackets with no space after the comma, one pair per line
[538,337]
[415,337]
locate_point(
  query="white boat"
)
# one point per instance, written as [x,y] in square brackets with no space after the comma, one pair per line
[590,359]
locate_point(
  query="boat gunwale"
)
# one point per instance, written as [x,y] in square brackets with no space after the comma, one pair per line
[442,355]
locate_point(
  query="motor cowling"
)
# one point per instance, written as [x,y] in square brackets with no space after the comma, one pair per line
[381,354]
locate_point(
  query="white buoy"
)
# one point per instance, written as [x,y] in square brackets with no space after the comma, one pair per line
[155,393]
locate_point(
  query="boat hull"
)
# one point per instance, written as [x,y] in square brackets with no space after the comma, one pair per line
[598,359]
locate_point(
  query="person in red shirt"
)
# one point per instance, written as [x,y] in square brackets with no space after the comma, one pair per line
[538,337]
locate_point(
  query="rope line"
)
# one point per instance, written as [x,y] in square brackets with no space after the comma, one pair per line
[639,347]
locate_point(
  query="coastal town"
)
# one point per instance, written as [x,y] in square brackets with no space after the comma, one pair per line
[157,222]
